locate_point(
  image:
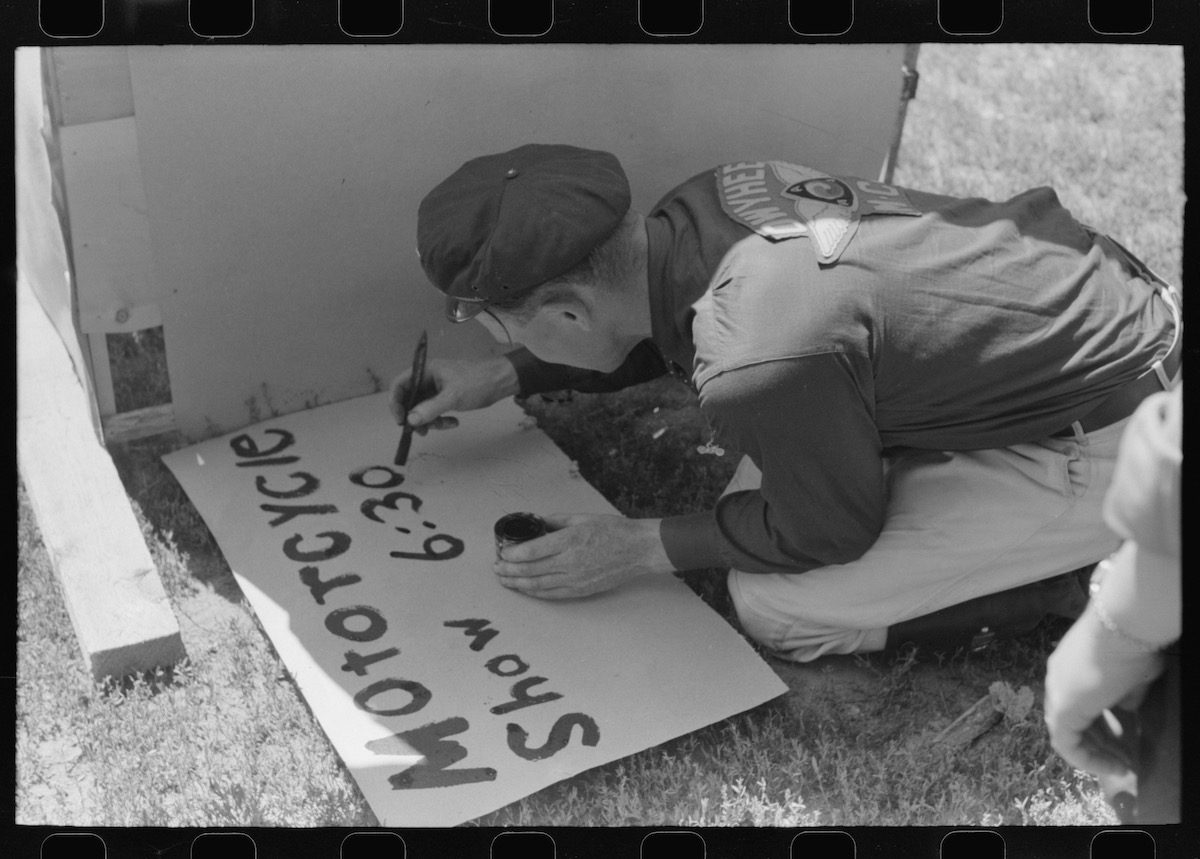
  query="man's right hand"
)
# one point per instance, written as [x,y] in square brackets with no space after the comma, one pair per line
[451,385]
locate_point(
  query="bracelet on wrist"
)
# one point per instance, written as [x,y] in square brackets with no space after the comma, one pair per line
[1106,619]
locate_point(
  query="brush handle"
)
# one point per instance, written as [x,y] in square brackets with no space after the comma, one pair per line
[414,383]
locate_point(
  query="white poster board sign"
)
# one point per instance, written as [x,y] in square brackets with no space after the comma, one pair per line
[446,695]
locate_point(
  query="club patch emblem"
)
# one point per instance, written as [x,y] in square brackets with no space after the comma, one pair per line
[825,190]
[779,200]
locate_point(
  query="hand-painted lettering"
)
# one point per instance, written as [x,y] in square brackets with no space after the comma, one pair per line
[393,478]
[419,696]
[311,577]
[481,631]
[454,548]
[560,735]
[430,742]
[389,502]
[761,216]
[745,176]
[520,666]
[288,512]
[274,460]
[337,623]
[745,189]
[358,663]
[740,206]
[338,544]
[245,446]
[521,697]
[308,485]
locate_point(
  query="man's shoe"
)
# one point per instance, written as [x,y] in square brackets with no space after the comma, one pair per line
[977,623]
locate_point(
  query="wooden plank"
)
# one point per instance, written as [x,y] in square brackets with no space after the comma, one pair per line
[908,91]
[101,373]
[92,83]
[139,423]
[42,256]
[122,618]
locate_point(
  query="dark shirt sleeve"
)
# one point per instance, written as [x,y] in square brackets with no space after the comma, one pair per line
[807,424]
[644,362]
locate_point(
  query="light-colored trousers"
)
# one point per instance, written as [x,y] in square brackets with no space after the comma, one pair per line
[959,525]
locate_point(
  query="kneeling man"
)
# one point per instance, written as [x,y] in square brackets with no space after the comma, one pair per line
[927,391]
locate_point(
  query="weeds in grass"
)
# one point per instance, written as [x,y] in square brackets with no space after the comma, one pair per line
[613,436]
[818,765]
[210,748]
[220,740]
[140,378]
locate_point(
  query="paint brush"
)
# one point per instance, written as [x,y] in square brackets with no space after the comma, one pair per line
[410,402]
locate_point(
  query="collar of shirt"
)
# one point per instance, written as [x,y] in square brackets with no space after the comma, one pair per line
[670,301]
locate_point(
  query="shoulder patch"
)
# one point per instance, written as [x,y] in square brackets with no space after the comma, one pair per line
[779,200]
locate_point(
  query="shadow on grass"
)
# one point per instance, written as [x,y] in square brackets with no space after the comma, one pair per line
[184,550]
[638,448]
[151,682]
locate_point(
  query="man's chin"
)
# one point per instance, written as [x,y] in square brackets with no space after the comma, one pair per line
[616,363]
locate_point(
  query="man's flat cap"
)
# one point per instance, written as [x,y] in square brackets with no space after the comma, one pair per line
[502,224]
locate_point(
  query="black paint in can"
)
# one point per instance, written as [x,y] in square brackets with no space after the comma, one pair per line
[515,528]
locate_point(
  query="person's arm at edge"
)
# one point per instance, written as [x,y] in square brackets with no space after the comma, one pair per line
[1143,598]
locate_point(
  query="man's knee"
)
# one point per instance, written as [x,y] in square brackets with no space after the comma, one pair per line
[762,626]
[790,634]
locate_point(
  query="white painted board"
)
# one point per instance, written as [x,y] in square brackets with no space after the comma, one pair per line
[42,259]
[93,83]
[282,182]
[423,672]
[110,235]
[122,618]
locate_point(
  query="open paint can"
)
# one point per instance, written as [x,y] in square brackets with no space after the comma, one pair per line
[517,528]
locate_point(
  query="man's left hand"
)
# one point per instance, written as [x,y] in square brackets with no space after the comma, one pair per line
[585,555]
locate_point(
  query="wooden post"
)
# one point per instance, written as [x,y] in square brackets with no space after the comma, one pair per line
[908,91]
[120,612]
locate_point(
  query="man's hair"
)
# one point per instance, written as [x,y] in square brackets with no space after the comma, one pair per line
[611,262]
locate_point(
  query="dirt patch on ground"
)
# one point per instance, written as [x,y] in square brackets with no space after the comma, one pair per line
[928,699]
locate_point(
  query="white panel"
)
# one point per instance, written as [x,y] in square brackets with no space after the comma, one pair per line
[282,182]
[93,83]
[110,237]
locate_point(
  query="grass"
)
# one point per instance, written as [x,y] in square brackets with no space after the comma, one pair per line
[829,761]
[651,431]
[1101,124]
[140,374]
[220,740]
[224,739]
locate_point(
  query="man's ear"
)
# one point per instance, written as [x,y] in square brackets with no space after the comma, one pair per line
[571,305]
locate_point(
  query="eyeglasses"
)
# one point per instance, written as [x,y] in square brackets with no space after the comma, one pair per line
[463,309]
